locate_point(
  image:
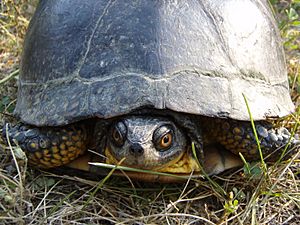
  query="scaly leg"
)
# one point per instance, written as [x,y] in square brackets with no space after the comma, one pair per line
[48,147]
[238,137]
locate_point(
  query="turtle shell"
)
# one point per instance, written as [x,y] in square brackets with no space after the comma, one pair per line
[107,58]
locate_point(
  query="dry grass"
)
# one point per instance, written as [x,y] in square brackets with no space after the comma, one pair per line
[30,196]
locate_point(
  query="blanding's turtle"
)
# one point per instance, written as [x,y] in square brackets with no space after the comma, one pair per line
[144,79]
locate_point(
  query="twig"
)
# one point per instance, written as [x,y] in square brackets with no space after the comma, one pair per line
[10,76]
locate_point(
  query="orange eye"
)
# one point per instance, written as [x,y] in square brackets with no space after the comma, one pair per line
[166,140]
[163,137]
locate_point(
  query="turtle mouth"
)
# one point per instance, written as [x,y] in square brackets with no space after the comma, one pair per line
[183,164]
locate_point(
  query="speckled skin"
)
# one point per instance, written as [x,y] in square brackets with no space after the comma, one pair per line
[238,137]
[51,147]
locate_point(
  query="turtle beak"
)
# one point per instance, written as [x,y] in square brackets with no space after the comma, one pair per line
[136,150]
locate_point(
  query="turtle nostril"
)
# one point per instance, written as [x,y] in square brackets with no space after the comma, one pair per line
[136,149]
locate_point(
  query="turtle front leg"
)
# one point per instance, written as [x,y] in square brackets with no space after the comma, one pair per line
[48,147]
[238,137]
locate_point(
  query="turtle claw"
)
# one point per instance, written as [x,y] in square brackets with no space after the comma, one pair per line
[10,132]
[238,137]
[277,137]
[275,140]
[21,134]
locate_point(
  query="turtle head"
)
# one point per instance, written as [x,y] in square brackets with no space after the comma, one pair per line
[145,142]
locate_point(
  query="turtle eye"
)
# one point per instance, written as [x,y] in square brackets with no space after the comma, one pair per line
[163,137]
[118,134]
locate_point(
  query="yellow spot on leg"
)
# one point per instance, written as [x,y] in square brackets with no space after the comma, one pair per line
[237,131]
[238,138]
[72,149]
[46,159]
[63,152]
[33,145]
[70,155]
[46,152]
[75,138]
[62,146]
[65,160]
[64,138]
[54,149]
[68,143]
[56,156]
[38,155]
[57,162]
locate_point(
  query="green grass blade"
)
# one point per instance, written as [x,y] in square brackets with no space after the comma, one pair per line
[130,169]
[256,136]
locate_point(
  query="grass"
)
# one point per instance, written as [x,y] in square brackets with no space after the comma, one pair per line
[30,196]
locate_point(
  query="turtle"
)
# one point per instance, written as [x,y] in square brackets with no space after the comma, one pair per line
[141,82]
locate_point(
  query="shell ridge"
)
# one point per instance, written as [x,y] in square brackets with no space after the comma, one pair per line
[98,22]
[211,17]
